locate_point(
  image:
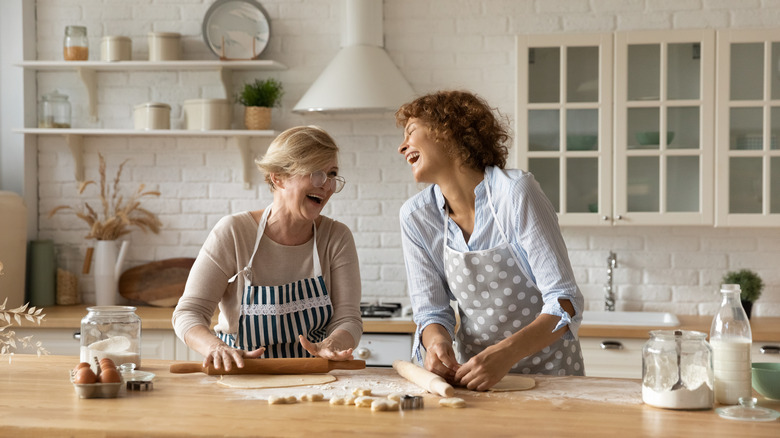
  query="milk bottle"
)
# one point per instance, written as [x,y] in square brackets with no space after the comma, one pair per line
[730,338]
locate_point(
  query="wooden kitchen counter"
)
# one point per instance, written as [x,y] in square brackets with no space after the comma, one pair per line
[764,329]
[38,400]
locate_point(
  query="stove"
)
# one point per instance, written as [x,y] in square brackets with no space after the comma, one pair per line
[380,310]
[381,349]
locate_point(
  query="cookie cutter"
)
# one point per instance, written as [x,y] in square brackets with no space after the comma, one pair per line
[410,402]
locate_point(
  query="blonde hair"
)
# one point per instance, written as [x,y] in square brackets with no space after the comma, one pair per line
[297,151]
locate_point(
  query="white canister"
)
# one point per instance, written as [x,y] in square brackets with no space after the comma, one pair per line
[152,115]
[164,46]
[13,248]
[206,114]
[115,48]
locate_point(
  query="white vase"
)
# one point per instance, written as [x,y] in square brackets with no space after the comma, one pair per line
[109,258]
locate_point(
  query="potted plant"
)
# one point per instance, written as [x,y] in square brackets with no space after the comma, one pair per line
[750,285]
[258,98]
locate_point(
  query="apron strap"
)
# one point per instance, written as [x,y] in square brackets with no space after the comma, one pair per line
[247,270]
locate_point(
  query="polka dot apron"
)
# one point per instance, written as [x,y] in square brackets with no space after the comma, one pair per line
[274,316]
[496,298]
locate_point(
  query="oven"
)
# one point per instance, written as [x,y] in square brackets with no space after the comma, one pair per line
[379,348]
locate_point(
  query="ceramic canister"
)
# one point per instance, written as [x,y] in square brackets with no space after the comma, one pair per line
[206,114]
[152,115]
[164,46]
[115,48]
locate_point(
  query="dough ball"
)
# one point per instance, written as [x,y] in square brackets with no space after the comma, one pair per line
[452,402]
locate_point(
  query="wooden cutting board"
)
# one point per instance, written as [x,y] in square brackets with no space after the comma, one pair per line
[159,283]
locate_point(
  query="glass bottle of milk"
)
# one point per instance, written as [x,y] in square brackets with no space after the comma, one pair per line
[730,338]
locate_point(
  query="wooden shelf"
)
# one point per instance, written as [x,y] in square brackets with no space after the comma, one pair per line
[75,139]
[87,71]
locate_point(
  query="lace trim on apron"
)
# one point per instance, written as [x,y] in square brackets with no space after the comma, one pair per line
[285,308]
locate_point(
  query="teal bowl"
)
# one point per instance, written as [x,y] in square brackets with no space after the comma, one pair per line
[766,379]
[646,138]
[581,142]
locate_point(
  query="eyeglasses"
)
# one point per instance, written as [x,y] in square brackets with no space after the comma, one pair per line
[319,179]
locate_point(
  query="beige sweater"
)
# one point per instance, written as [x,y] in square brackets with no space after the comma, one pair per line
[228,249]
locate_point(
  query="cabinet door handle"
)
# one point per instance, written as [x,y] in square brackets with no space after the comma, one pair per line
[611,345]
[77,336]
[363,353]
[769,349]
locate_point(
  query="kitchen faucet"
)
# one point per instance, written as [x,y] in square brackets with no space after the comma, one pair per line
[609,293]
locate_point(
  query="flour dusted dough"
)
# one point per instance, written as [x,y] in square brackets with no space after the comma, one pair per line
[513,382]
[249,381]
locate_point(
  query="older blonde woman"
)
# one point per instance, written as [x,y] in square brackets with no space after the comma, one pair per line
[285,278]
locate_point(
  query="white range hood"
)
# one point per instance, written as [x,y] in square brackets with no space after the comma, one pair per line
[361,78]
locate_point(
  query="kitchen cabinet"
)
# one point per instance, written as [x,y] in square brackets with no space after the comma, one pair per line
[590,112]
[155,343]
[612,357]
[748,129]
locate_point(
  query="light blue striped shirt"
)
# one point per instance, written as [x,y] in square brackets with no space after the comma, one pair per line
[531,224]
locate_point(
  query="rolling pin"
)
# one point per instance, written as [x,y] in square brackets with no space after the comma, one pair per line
[314,365]
[423,378]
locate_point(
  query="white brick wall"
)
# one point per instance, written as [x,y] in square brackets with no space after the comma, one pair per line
[436,44]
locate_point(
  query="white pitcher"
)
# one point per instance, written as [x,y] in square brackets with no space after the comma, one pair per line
[109,258]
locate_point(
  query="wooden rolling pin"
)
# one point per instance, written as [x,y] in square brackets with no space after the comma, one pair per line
[314,365]
[423,378]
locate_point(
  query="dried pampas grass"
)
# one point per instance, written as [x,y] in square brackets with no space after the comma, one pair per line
[118,214]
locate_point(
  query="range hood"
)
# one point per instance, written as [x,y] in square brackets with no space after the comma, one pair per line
[361,78]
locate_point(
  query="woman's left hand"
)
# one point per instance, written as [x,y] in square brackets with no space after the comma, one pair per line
[484,370]
[327,349]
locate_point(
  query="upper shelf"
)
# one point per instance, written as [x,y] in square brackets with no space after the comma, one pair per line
[151,65]
[87,71]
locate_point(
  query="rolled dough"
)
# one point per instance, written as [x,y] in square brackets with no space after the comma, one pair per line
[513,383]
[249,381]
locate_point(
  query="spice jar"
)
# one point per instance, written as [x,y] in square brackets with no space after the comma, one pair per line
[54,111]
[677,370]
[113,332]
[68,268]
[75,46]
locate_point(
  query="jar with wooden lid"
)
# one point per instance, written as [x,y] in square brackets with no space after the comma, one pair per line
[75,46]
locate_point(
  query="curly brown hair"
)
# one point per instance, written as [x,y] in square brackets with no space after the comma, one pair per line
[464,124]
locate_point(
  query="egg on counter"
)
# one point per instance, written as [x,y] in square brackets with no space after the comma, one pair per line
[84,375]
[109,375]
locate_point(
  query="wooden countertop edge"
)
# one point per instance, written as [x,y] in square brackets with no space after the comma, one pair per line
[765,329]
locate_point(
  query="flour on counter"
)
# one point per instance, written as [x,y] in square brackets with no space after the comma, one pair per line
[625,392]
[382,382]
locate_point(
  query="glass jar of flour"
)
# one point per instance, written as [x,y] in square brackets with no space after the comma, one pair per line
[677,370]
[113,332]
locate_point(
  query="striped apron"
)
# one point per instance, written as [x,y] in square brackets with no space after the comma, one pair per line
[274,316]
[496,298]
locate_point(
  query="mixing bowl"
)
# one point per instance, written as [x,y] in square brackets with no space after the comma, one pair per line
[766,379]
[646,138]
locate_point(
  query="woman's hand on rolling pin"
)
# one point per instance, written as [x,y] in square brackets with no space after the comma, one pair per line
[440,359]
[329,348]
[222,355]
[485,369]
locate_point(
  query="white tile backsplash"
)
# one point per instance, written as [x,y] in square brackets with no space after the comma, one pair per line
[436,44]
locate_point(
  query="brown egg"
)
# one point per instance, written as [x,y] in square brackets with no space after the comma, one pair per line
[80,366]
[107,363]
[109,376]
[84,375]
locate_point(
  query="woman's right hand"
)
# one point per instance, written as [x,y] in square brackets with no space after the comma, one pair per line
[223,356]
[439,355]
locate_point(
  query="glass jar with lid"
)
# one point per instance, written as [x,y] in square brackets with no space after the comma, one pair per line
[75,46]
[677,370]
[113,332]
[54,111]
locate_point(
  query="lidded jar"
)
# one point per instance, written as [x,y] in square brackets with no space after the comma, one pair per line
[75,47]
[113,332]
[54,111]
[677,370]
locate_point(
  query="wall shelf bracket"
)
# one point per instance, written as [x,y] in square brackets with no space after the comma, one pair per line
[76,146]
[88,77]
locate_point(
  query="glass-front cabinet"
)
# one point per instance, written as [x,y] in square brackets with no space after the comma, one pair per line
[594,141]
[664,142]
[748,129]
[564,114]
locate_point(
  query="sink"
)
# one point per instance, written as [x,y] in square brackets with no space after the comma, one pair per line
[639,319]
